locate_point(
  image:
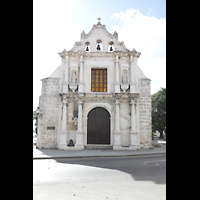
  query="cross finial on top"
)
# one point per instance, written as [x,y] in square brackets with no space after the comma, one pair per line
[99,23]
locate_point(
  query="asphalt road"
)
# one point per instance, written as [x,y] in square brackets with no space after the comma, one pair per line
[122,178]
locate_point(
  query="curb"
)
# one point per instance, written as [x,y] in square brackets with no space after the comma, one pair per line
[95,156]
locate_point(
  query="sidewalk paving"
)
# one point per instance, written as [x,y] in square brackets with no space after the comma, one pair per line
[56,154]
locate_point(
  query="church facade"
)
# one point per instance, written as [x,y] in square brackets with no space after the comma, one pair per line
[98,97]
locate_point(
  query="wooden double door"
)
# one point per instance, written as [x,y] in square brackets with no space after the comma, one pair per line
[98,126]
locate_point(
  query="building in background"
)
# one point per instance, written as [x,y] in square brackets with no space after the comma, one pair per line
[98,97]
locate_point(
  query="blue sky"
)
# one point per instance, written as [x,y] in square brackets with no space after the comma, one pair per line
[87,10]
[57,24]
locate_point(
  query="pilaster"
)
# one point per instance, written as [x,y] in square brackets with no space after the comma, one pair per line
[117,83]
[79,133]
[81,84]
[133,117]
[132,82]
[133,132]
[63,133]
[117,133]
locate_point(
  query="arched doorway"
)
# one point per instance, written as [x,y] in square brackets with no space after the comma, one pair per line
[98,126]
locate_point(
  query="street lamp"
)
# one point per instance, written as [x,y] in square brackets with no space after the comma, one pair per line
[38,110]
[39,116]
[155,110]
[36,123]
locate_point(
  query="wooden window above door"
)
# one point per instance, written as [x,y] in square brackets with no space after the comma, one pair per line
[99,80]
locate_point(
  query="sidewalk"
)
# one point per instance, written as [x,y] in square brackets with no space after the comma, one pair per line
[56,154]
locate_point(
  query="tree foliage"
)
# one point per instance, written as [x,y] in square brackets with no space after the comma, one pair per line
[158,101]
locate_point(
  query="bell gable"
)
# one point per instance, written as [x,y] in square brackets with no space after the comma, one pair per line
[99,40]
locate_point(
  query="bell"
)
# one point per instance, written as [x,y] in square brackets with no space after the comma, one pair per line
[111,49]
[71,144]
[87,49]
[98,47]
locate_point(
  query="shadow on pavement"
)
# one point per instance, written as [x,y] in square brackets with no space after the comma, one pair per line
[141,168]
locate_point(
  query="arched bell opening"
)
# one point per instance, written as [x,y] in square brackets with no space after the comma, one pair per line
[111,47]
[99,46]
[87,47]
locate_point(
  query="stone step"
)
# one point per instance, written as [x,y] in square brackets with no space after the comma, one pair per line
[98,147]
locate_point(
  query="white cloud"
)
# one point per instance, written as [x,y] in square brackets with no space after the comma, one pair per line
[147,35]
[149,10]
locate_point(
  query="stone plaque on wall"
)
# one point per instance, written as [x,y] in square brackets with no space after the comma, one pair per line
[50,127]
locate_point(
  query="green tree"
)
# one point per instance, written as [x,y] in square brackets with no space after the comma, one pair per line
[158,112]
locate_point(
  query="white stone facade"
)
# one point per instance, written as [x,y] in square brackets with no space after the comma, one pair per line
[67,98]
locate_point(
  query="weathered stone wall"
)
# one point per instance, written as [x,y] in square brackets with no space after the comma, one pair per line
[49,113]
[125,121]
[72,112]
[144,103]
